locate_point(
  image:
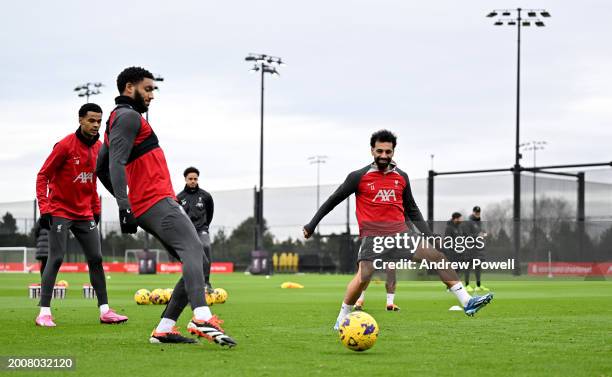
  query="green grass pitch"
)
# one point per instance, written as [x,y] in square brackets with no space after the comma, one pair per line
[532,328]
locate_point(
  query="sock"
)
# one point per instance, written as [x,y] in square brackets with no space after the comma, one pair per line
[390,297]
[461,293]
[103,309]
[45,310]
[165,325]
[344,310]
[361,298]
[202,313]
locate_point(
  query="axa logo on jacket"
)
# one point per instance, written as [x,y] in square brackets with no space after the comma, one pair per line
[385,195]
[84,177]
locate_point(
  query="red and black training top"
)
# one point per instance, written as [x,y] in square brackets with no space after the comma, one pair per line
[131,156]
[385,204]
[66,183]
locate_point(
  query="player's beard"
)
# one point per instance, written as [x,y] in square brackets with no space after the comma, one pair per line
[382,163]
[139,102]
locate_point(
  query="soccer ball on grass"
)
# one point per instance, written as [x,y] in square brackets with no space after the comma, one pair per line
[142,297]
[220,295]
[358,331]
[158,296]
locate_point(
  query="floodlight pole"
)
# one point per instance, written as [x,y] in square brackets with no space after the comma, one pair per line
[516,171]
[318,160]
[534,146]
[516,216]
[260,221]
[263,63]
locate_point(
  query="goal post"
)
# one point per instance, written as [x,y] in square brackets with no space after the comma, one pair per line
[17,259]
[131,255]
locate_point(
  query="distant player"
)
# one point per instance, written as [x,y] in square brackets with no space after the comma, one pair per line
[131,156]
[390,285]
[68,201]
[453,231]
[385,207]
[200,208]
[473,227]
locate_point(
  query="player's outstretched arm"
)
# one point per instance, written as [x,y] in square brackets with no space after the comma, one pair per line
[121,140]
[348,187]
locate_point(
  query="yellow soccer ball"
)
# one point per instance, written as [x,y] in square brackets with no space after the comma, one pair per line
[358,331]
[142,297]
[220,295]
[166,295]
[210,298]
[168,292]
[158,296]
[62,283]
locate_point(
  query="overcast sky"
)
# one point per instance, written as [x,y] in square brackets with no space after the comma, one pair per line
[439,74]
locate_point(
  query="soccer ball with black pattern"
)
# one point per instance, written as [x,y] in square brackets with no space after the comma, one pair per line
[220,295]
[210,298]
[358,331]
[158,297]
[142,297]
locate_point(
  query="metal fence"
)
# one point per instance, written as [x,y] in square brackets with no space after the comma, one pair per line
[287,209]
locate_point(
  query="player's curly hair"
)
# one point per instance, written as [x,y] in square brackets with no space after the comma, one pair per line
[132,75]
[383,136]
[189,170]
[93,107]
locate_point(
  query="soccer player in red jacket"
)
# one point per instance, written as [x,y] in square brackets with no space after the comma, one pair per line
[386,208]
[68,200]
[131,156]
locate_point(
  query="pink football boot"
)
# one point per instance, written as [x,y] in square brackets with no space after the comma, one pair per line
[110,317]
[45,321]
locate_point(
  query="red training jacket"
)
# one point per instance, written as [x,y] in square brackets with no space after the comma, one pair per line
[146,171]
[66,183]
[384,201]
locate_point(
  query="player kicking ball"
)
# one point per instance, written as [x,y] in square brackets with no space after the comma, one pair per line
[385,208]
[131,156]
[68,201]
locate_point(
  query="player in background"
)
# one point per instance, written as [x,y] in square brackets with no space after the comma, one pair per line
[386,207]
[390,285]
[453,231]
[131,157]
[199,206]
[473,227]
[68,201]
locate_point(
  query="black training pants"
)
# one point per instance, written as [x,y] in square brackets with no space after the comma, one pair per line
[86,233]
[167,222]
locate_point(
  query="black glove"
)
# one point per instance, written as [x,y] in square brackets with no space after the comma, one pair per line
[45,221]
[97,218]
[127,221]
